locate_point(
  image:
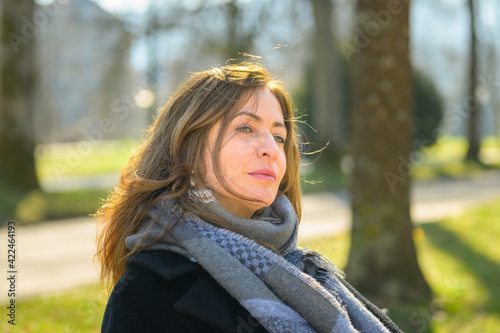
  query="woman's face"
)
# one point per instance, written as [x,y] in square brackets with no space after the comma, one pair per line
[252,156]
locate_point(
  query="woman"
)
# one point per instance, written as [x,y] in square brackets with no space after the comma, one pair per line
[200,233]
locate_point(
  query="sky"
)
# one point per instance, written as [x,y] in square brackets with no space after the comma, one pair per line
[118,6]
[114,6]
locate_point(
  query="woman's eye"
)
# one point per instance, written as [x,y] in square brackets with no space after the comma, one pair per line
[279,139]
[244,129]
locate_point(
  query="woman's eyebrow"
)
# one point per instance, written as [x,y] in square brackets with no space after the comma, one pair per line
[258,119]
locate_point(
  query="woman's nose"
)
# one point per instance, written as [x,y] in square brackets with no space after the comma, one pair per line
[268,147]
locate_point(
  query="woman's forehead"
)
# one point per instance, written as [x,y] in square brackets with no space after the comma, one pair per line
[252,101]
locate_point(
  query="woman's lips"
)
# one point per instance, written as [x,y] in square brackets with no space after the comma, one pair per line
[263,174]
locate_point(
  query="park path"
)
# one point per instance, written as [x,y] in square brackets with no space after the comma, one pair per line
[57,255]
[329,213]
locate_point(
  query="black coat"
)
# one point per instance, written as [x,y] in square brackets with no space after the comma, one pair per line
[165,292]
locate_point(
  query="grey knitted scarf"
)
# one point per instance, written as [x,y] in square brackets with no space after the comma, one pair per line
[294,290]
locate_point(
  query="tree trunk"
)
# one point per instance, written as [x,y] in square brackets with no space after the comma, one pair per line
[17,163]
[327,118]
[472,102]
[382,260]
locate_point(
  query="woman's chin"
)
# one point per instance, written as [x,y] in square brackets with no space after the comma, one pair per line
[254,201]
[263,199]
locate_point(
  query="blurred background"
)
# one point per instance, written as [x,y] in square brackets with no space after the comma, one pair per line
[81,79]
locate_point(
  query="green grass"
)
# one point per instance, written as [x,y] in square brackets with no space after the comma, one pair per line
[82,158]
[460,260]
[445,159]
[39,206]
[77,311]
[60,161]
[459,257]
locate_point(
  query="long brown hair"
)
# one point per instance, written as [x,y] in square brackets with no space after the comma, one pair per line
[172,151]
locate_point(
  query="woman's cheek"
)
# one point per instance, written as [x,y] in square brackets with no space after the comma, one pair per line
[232,165]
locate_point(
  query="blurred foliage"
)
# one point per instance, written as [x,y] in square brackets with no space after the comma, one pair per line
[428,110]
[8,203]
[427,107]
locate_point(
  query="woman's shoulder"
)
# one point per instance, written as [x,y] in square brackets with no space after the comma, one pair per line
[144,298]
[157,274]
[168,290]
[158,277]
[168,265]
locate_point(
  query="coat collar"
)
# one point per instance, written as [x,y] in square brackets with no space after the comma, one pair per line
[205,300]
